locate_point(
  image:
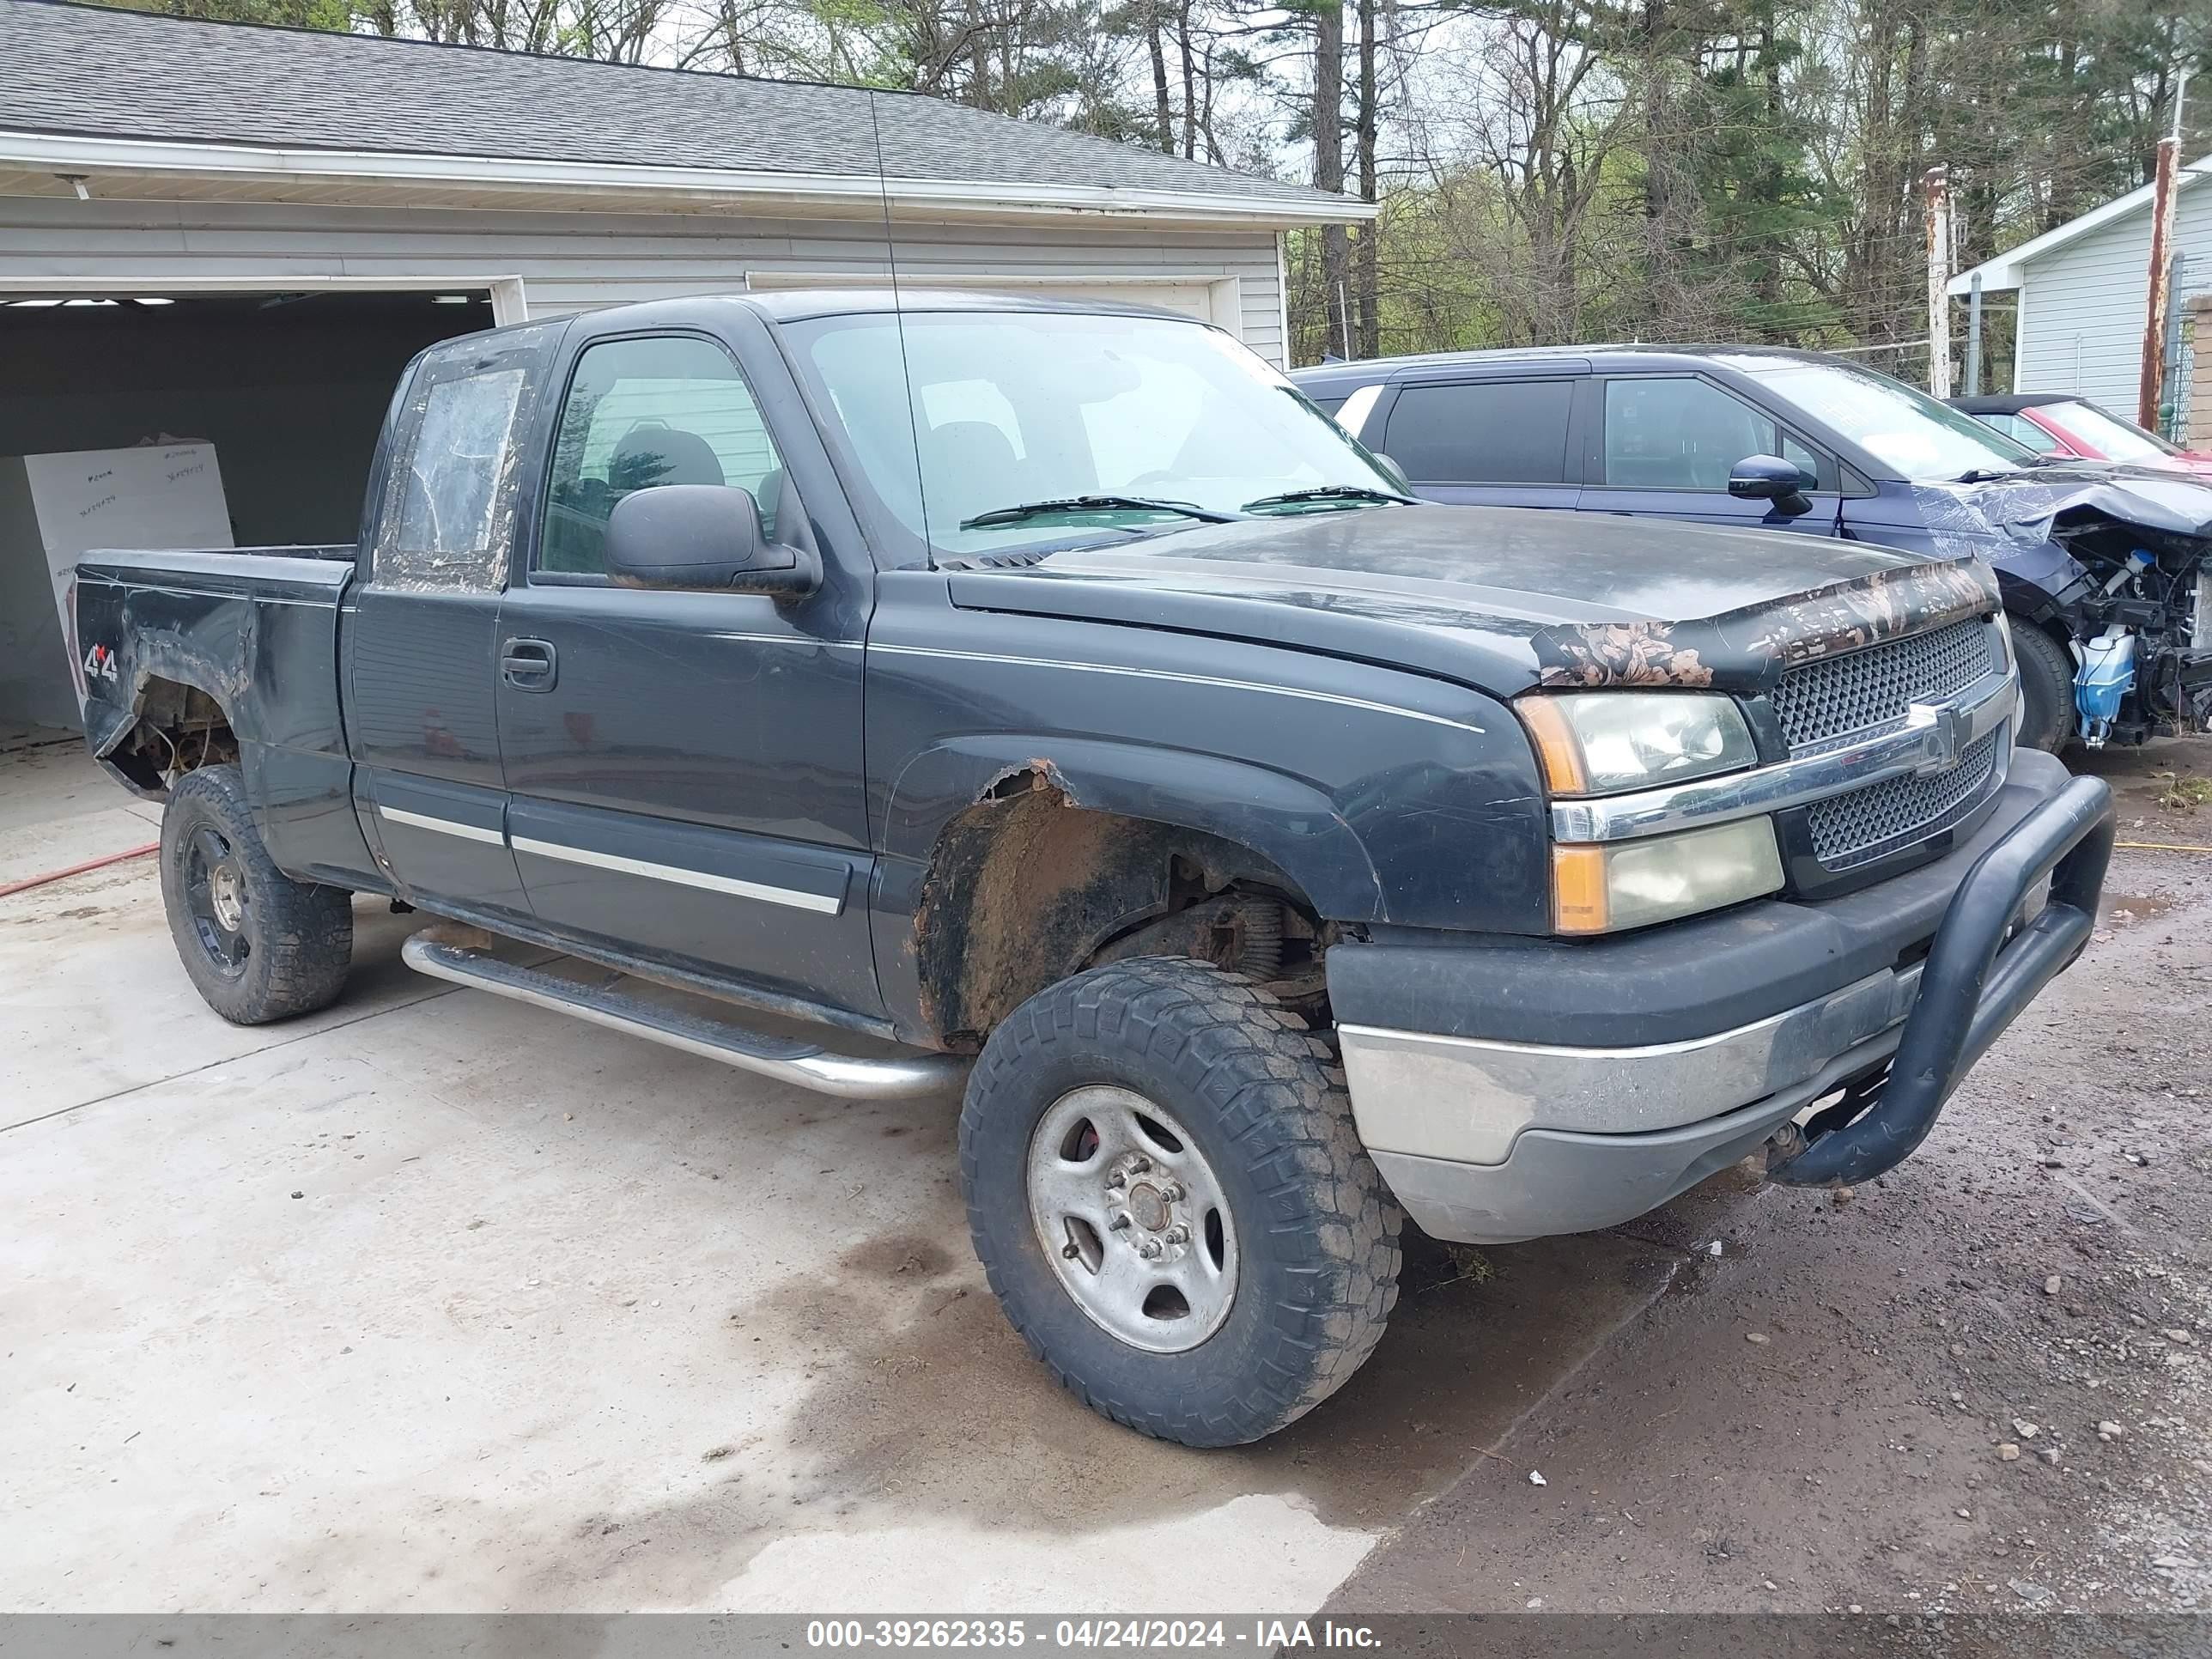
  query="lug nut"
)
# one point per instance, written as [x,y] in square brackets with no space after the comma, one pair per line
[1116,1181]
[1172,1191]
[1140,1164]
[1149,1250]
[1121,1221]
[1177,1235]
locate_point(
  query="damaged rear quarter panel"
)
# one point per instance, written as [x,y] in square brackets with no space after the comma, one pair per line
[255,631]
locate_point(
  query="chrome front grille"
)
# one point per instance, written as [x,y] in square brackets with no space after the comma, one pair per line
[1851,829]
[1850,696]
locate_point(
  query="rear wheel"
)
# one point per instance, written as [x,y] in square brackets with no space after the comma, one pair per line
[1168,1195]
[2046,688]
[258,945]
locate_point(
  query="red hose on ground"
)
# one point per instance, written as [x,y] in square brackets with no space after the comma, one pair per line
[78,869]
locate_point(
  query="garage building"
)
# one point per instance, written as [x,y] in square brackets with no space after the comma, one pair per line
[239,234]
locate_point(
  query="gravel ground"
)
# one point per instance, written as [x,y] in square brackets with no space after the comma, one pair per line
[1978,1384]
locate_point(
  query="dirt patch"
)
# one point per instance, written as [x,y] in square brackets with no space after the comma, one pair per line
[912,1355]
[2163,789]
[896,1254]
[924,1408]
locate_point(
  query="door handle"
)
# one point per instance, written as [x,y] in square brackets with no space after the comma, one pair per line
[529,665]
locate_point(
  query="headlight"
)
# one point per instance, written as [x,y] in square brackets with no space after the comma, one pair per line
[1597,743]
[1605,887]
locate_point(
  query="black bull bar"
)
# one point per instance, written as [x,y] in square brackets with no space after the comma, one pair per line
[1976,980]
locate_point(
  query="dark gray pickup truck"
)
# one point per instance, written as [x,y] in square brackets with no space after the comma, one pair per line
[1051,694]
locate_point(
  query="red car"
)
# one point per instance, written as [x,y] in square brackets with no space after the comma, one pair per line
[2060,423]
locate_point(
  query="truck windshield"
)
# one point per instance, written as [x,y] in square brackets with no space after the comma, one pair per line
[1906,430]
[1036,427]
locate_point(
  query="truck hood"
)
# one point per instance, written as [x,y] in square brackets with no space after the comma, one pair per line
[1501,597]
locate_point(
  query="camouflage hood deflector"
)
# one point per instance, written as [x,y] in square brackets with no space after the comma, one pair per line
[1747,650]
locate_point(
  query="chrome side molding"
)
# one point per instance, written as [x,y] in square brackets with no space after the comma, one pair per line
[897,1077]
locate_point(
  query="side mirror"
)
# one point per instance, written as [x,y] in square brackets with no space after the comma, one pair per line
[703,536]
[1771,478]
[1394,472]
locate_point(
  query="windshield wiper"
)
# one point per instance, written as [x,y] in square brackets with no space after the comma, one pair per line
[1024,510]
[1986,475]
[1330,493]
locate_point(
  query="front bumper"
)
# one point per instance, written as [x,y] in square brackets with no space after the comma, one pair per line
[1488,1139]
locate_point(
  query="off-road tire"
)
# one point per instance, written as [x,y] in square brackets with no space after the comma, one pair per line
[2046,688]
[298,935]
[1317,1229]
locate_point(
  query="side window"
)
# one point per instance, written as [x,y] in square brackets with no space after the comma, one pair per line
[1674,432]
[1806,462]
[668,410]
[447,519]
[2023,430]
[1478,432]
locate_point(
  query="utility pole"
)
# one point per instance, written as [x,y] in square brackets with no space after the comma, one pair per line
[1974,335]
[1938,183]
[2150,389]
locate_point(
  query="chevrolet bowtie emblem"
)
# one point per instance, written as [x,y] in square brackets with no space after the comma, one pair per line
[1943,736]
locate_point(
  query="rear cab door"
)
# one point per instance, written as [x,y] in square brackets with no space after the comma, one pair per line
[419,633]
[1504,437]
[1663,445]
[686,765]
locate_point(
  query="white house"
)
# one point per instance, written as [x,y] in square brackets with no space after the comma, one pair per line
[241,235]
[2084,292]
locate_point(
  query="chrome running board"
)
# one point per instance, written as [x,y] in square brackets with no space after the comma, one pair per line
[787,1060]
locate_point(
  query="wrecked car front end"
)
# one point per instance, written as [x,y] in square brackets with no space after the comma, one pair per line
[2136,601]
[2111,563]
[1889,919]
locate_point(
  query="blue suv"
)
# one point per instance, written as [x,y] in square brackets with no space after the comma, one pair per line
[2101,566]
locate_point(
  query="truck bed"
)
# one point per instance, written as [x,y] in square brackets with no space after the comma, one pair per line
[234,651]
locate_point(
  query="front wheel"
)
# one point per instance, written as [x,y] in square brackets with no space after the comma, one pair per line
[2046,688]
[258,945]
[1168,1195]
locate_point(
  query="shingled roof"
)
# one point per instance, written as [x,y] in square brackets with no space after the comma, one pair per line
[111,75]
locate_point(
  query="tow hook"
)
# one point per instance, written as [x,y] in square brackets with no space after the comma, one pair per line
[1785,1144]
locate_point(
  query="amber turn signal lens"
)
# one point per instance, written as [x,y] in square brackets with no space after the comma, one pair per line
[1614,885]
[1579,889]
[1557,748]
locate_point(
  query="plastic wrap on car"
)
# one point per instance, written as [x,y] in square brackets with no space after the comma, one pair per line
[443,525]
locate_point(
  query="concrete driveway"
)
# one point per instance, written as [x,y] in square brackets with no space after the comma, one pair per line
[433,1301]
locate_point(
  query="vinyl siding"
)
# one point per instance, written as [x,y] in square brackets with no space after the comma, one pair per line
[572,262]
[2085,305]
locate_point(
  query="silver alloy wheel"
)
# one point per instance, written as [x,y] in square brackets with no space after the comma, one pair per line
[227,894]
[1132,1219]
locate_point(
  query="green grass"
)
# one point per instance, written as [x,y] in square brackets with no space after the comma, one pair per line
[2182,794]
